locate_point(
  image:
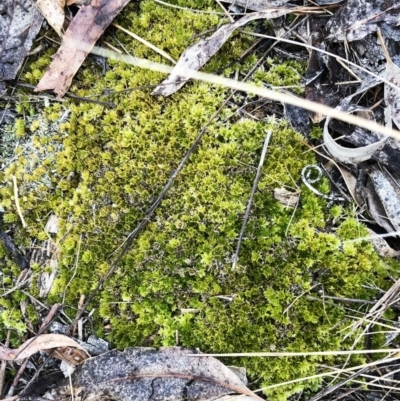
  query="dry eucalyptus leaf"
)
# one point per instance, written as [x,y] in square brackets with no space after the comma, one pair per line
[351,183]
[40,343]
[392,95]
[286,198]
[53,11]
[388,193]
[381,246]
[257,5]
[20,22]
[83,32]
[376,209]
[71,355]
[345,154]
[140,374]
[194,57]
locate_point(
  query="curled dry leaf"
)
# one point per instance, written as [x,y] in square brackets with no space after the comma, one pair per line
[342,153]
[40,343]
[53,11]
[140,374]
[194,57]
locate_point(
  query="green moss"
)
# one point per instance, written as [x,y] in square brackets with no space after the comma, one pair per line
[99,170]
[287,74]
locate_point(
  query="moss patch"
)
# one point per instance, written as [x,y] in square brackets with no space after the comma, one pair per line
[99,169]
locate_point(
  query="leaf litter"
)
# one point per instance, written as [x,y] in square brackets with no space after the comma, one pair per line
[53,11]
[140,374]
[39,343]
[369,163]
[392,95]
[20,22]
[194,57]
[82,34]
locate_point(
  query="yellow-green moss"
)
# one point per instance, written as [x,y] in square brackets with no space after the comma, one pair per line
[99,169]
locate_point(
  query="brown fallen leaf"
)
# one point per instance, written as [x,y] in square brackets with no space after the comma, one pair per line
[140,374]
[351,183]
[286,198]
[53,11]
[39,343]
[194,57]
[83,32]
[71,355]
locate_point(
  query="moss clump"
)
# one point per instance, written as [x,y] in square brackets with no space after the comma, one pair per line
[102,168]
[278,74]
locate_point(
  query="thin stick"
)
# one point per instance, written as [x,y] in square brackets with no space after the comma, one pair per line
[188,9]
[389,298]
[75,268]
[235,257]
[17,202]
[225,11]
[345,300]
[251,88]
[4,365]
[384,48]
[341,383]
[109,45]
[335,56]
[298,297]
[45,323]
[128,242]
[369,237]
[145,42]
[69,95]
[327,374]
[393,351]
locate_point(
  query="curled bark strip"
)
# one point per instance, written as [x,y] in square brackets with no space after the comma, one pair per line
[349,155]
[306,178]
